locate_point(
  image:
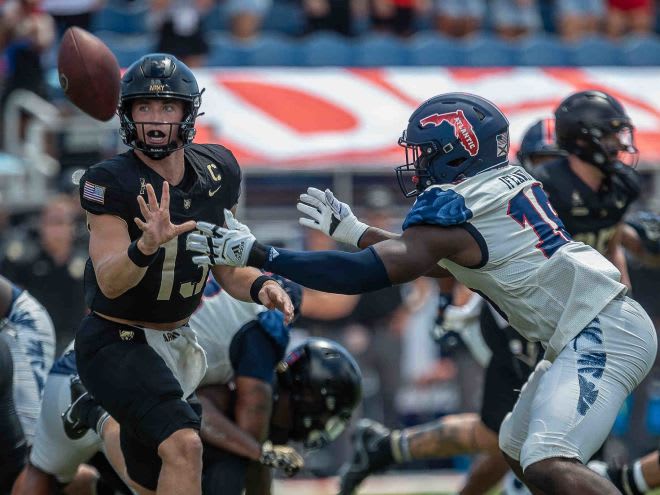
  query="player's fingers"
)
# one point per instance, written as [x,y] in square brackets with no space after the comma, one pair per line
[329,197]
[140,224]
[309,223]
[310,211]
[316,193]
[185,227]
[144,209]
[153,201]
[207,228]
[202,260]
[165,197]
[310,200]
[197,242]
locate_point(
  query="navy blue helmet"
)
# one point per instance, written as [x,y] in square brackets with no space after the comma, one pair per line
[451,137]
[539,142]
[595,127]
[159,76]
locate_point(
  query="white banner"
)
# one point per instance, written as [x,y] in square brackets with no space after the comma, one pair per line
[315,118]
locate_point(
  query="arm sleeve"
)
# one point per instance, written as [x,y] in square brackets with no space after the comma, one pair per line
[101,193]
[329,271]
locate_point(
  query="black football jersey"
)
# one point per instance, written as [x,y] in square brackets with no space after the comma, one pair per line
[172,286]
[589,216]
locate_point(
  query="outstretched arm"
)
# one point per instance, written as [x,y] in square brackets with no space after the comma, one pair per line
[389,262]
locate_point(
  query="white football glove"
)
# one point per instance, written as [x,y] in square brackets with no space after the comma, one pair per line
[221,246]
[281,457]
[329,215]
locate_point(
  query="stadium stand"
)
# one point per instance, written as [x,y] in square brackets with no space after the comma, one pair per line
[127,20]
[541,50]
[374,50]
[486,51]
[325,49]
[595,51]
[430,49]
[641,51]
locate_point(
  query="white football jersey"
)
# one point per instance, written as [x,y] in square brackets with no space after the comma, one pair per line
[548,286]
[216,321]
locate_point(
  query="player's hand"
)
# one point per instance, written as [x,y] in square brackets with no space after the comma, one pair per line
[329,215]
[157,228]
[281,457]
[274,296]
[219,245]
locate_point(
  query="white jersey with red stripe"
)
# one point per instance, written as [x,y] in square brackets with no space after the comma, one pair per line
[548,286]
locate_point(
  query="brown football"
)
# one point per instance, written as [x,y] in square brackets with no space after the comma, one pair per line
[89,73]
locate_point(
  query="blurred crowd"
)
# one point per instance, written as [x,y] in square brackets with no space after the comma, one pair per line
[29,27]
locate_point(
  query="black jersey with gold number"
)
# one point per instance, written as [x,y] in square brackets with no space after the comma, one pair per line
[172,286]
[589,216]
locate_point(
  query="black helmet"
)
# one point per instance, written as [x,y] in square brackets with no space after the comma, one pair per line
[158,76]
[595,127]
[325,386]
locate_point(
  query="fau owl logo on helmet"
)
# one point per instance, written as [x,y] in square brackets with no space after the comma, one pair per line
[463,129]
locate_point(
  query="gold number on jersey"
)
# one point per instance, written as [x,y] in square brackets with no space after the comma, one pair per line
[167,274]
[186,289]
[599,240]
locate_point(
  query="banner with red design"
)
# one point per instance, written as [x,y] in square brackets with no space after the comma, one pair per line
[343,117]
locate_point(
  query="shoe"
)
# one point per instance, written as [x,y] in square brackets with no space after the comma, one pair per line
[71,417]
[367,456]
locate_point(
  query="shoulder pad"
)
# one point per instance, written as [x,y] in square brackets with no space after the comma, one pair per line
[438,207]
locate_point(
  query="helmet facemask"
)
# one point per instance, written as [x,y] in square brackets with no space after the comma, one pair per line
[314,424]
[607,146]
[175,140]
[417,166]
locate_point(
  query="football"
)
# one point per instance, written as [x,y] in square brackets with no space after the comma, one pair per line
[89,73]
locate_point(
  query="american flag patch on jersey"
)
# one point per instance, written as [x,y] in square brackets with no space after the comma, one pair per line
[93,192]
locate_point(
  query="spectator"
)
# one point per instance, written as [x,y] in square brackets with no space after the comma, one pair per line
[180,30]
[69,13]
[395,16]
[513,19]
[459,18]
[629,16]
[51,268]
[329,15]
[25,33]
[579,18]
[246,16]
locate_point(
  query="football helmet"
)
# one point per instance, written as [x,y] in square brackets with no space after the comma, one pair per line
[451,137]
[538,143]
[159,76]
[325,385]
[595,127]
